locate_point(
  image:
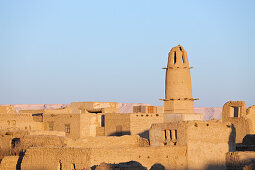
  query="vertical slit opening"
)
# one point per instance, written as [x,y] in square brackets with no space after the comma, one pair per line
[171,135]
[174,57]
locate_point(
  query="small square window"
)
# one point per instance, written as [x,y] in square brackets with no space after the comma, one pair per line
[67,128]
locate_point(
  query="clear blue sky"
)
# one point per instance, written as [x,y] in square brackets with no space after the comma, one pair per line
[63,51]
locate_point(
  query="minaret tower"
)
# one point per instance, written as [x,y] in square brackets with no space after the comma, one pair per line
[178,83]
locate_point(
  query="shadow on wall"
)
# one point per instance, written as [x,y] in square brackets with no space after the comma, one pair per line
[248,143]
[131,165]
[18,165]
[157,166]
[121,166]
[122,133]
[144,134]
[247,164]
[214,167]
[232,139]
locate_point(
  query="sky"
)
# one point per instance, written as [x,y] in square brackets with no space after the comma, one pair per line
[58,52]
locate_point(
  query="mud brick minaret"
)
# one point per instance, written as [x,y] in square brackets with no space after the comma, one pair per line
[178,89]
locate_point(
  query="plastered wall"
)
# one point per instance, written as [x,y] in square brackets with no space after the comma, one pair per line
[114,120]
[140,123]
[58,121]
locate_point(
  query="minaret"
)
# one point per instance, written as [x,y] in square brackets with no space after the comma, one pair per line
[178,83]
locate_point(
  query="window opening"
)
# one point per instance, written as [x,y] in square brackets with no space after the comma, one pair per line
[102,120]
[174,57]
[67,128]
[236,111]
[51,126]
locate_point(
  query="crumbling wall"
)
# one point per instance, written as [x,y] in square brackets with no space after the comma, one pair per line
[81,158]
[6,109]
[55,158]
[235,112]
[41,141]
[240,160]
[251,119]
[10,142]
[108,107]
[32,111]
[168,157]
[19,122]
[108,142]
[64,110]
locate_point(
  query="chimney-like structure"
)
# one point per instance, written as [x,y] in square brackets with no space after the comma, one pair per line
[178,83]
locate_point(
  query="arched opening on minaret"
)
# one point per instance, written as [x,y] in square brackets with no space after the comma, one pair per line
[182,59]
[174,57]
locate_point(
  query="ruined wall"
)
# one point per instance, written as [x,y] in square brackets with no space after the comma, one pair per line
[47,133]
[169,157]
[80,158]
[251,119]
[31,111]
[140,123]
[41,141]
[59,122]
[108,107]
[9,140]
[108,142]
[235,112]
[19,122]
[55,158]
[117,124]
[240,160]
[6,109]
[65,110]
[208,143]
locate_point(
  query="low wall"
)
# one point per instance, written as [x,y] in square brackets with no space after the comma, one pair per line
[108,142]
[240,160]
[9,163]
[81,158]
